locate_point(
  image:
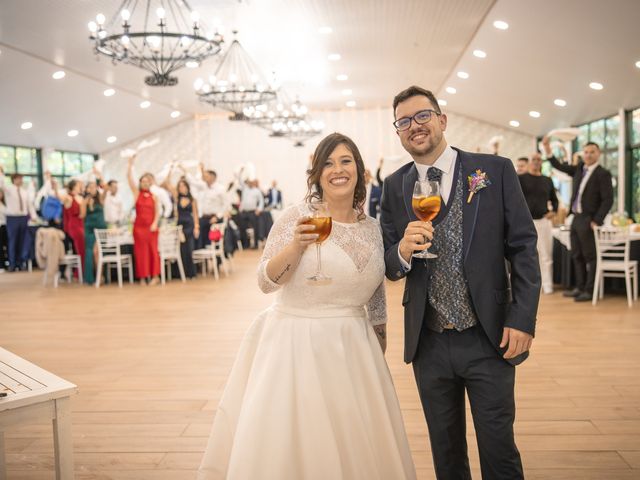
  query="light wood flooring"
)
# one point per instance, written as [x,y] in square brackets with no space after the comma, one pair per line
[151,364]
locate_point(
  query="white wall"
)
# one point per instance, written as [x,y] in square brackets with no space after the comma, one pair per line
[225,146]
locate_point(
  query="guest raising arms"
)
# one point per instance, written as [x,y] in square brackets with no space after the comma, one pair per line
[92,211]
[145,228]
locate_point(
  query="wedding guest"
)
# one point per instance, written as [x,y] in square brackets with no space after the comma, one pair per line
[187,217]
[274,197]
[539,192]
[212,202]
[73,225]
[522,165]
[145,228]
[591,201]
[251,206]
[3,233]
[18,212]
[92,212]
[465,329]
[113,208]
[374,195]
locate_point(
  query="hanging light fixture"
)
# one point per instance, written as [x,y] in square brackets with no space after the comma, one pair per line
[283,119]
[160,36]
[238,84]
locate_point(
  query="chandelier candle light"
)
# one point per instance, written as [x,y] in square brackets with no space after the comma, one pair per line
[238,84]
[160,36]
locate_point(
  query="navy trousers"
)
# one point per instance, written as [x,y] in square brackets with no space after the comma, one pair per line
[17,236]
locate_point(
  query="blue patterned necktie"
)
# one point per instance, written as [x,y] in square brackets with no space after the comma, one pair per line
[434,174]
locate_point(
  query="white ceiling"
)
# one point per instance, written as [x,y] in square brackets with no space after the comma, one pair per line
[552,49]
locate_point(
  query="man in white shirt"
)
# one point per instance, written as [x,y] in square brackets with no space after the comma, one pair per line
[113,208]
[251,207]
[19,209]
[212,202]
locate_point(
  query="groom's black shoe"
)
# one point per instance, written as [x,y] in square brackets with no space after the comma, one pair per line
[583,297]
[572,293]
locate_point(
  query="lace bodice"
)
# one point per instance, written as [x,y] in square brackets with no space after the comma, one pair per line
[353,256]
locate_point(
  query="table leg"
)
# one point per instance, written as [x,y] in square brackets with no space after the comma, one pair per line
[62,439]
[3,463]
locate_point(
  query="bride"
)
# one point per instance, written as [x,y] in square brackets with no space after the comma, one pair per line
[310,395]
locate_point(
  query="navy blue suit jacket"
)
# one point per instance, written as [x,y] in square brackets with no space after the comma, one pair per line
[497,226]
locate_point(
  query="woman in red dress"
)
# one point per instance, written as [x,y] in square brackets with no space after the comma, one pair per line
[72,224]
[145,229]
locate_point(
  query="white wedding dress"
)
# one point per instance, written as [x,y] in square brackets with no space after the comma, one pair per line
[310,396]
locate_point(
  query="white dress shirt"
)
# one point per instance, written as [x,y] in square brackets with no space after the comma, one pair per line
[12,199]
[445,162]
[164,198]
[583,184]
[3,218]
[212,199]
[113,209]
[252,199]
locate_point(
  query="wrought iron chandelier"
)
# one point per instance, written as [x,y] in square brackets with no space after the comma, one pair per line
[173,39]
[237,85]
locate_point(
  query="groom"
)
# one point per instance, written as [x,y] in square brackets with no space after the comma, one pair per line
[467,321]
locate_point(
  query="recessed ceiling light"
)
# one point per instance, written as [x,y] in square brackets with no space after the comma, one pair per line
[72,133]
[347,91]
[111,139]
[109,92]
[534,114]
[560,102]
[350,103]
[334,57]
[26,125]
[501,24]
[58,75]
[342,77]
[145,104]
[175,114]
[480,53]
[325,30]
[451,90]
[192,64]
[463,75]
[638,64]
[442,102]
[596,86]
[514,123]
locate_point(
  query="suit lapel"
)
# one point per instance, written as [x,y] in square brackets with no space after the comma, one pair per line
[408,182]
[469,209]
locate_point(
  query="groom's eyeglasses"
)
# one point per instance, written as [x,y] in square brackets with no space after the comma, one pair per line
[421,117]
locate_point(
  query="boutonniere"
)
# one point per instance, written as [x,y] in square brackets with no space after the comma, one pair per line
[477,181]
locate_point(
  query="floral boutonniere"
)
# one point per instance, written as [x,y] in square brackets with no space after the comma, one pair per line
[477,181]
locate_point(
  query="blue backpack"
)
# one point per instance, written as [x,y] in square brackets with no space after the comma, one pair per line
[51,208]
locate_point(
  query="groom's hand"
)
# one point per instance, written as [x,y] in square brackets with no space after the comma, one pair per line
[417,237]
[518,341]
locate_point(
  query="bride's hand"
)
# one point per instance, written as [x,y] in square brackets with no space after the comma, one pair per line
[302,237]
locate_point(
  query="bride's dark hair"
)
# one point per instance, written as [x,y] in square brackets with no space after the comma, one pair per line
[325,148]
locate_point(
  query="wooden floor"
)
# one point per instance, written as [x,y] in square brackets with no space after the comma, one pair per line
[151,363]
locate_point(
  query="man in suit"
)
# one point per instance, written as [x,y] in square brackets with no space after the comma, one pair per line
[274,197]
[467,323]
[591,201]
[373,195]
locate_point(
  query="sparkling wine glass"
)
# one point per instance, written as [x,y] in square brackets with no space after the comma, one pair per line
[426,203]
[320,218]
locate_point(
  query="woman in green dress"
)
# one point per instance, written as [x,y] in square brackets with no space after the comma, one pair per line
[93,213]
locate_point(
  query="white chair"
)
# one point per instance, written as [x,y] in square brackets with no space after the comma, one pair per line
[169,249]
[70,261]
[612,250]
[109,242]
[211,254]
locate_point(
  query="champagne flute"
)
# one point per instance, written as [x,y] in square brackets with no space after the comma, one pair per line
[426,203]
[320,218]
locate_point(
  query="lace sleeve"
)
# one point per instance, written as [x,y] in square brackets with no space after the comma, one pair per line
[377,306]
[280,235]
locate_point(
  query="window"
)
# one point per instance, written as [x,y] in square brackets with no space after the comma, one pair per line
[633,184]
[22,160]
[65,165]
